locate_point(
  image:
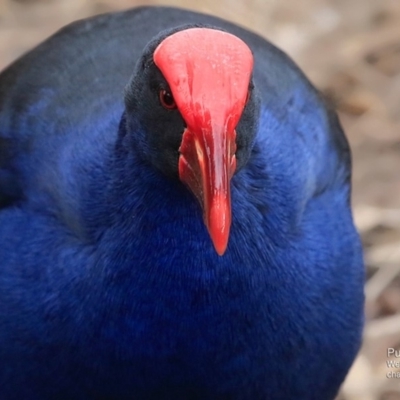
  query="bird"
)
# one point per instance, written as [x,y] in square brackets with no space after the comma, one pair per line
[175,218]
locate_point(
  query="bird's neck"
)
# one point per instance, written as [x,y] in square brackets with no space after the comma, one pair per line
[145,213]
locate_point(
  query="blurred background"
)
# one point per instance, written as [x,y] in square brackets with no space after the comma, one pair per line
[351,51]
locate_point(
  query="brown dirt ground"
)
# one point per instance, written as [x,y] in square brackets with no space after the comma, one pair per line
[351,51]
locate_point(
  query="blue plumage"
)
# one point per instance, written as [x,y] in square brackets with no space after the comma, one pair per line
[110,287]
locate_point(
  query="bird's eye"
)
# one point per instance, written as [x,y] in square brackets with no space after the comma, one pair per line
[167,100]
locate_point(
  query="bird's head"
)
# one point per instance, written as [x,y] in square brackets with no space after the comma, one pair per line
[192,98]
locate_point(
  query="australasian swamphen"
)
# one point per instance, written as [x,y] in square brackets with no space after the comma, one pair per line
[123,272]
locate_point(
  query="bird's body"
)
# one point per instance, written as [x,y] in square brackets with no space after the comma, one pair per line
[110,287]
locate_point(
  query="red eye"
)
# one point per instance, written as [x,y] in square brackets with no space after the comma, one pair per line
[167,100]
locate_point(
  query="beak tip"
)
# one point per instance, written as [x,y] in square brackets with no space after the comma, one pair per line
[221,251]
[219,225]
[220,244]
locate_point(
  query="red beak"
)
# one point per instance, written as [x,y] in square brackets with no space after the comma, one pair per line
[208,72]
[206,165]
